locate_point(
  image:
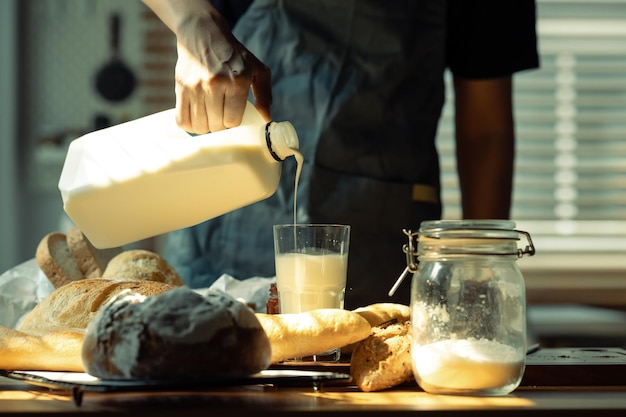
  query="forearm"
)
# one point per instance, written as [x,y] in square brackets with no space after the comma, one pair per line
[175,13]
[486,181]
[485,141]
[214,71]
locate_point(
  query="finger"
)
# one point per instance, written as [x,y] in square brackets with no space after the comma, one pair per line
[183,111]
[214,103]
[199,117]
[262,91]
[234,107]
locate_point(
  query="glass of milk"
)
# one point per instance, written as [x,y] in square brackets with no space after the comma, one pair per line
[311,269]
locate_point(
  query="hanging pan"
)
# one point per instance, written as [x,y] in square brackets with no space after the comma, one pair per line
[115,81]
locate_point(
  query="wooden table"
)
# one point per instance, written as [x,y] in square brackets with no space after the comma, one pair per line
[343,398]
[19,398]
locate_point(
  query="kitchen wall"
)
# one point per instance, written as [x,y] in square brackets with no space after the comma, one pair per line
[8,127]
[60,46]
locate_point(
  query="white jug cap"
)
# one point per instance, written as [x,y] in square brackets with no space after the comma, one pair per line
[282,138]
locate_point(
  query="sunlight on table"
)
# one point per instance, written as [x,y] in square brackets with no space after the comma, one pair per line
[418,398]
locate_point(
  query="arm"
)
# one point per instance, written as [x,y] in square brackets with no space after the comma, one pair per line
[214,72]
[485,146]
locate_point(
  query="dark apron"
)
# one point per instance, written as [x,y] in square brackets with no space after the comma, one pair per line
[362,82]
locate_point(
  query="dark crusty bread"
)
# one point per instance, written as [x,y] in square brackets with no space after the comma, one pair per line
[56,260]
[91,260]
[179,334]
[142,264]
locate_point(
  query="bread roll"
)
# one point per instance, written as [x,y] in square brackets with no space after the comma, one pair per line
[56,260]
[91,261]
[142,264]
[74,305]
[175,335]
[312,332]
[383,359]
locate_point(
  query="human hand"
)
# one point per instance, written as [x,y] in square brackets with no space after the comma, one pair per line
[214,73]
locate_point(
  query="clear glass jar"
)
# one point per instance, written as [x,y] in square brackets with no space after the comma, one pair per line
[468,306]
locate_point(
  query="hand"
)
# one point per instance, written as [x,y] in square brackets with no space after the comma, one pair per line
[214,73]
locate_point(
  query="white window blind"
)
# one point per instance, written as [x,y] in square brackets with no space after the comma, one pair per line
[570,178]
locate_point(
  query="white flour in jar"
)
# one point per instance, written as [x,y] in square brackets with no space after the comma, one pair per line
[468,364]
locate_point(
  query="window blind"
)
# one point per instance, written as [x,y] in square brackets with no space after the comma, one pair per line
[570,177]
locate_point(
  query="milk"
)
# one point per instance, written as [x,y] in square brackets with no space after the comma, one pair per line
[310,281]
[147,177]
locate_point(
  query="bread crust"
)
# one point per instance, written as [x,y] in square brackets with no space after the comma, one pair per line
[48,351]
[50,337]
[144,265]
[74,305]
[312,332]
[379,313]
[91,260]
[383,359]
[56,260]
[197,337]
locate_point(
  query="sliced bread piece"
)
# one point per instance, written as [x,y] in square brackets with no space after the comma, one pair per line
[56,261]
[91,260]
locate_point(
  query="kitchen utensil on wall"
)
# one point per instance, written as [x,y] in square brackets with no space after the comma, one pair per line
[115,81]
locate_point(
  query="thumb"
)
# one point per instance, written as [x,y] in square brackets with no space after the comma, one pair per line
[262,92]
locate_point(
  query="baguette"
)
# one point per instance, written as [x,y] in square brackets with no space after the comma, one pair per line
[377,314]
[47,351]
[312,332]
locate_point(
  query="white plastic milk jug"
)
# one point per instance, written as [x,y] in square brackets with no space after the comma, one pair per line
[148,176]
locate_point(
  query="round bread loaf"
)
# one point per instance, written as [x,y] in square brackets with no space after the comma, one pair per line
[175,335]
[142,264]
[74,305]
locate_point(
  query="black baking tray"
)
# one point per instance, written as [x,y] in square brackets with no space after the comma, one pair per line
[79,383]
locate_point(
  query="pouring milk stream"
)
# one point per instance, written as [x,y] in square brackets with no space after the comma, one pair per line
[146,177]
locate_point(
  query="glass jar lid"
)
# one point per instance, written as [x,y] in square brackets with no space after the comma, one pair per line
[468,237]
[440,238]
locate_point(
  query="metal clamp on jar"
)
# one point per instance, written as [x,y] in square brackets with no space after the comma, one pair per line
[468,306]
